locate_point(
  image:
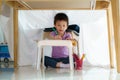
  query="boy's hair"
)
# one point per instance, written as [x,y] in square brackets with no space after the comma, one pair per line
[60,16]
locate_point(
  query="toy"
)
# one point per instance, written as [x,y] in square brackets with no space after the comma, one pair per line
[4,53]
[78,61]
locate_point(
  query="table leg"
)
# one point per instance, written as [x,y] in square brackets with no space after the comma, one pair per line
[71,58]
[39,58]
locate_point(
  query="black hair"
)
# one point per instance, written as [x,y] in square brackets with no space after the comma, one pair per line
[61,16]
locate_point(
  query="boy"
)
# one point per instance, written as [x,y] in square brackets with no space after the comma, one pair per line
[60,54]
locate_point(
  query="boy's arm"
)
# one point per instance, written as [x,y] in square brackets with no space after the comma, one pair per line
[54,36]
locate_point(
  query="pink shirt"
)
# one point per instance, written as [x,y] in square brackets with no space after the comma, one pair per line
[60,51]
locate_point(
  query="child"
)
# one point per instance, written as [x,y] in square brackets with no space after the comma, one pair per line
[60,54]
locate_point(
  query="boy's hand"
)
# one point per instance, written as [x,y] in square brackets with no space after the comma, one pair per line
[58,37]
[68,38]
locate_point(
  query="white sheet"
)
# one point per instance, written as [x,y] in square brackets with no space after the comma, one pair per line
[93,33]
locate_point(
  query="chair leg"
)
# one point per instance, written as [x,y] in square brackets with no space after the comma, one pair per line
[39,58]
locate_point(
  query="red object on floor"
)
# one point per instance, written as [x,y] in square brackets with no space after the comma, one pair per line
[75,57]
[78,62]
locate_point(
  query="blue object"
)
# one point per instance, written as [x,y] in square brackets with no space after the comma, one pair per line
[4,52]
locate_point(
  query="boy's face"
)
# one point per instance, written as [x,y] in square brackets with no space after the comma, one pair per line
[61,26]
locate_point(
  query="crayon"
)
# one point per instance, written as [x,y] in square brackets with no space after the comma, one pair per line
[83,56]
